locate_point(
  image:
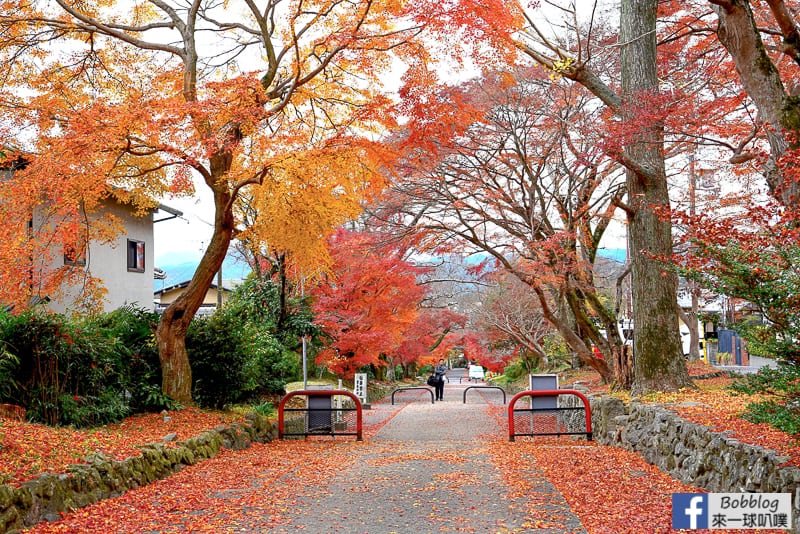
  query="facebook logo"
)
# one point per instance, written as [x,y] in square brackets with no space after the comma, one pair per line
[689,510]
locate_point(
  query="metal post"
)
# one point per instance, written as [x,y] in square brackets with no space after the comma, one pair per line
[305,356]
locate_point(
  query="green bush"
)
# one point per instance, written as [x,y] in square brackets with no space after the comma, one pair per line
[134,328]
[271,365]
[769,278]
[217,347]
[235,354]
[9,364]
[515,370]
[265,343]
[775,415]
[783,383]
[62,358]
[91,411]
[80,371]
[264,408]
[95,370]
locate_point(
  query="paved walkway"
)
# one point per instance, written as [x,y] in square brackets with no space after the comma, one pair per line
[427,469]
[756,363]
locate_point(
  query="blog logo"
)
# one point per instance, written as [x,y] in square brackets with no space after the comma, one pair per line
[689,510]
[731,510]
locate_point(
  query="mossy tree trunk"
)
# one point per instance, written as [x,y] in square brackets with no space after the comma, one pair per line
[657,355]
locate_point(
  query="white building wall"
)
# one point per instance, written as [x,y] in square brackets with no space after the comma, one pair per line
[109,263]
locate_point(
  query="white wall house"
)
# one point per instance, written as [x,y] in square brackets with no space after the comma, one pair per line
[125,266]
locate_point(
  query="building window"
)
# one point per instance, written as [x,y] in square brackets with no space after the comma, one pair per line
[135,256]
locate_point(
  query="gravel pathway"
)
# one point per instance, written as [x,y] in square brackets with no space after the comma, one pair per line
[428,469]
[421,468]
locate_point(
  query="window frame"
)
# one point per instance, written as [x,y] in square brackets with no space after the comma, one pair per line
[135,255]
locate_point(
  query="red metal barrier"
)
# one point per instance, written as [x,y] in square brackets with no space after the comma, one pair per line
[549,393]
[321,393]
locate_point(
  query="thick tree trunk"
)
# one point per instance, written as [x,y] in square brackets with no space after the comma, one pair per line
[779,112]
[171,332]
[176,372]
[658,357]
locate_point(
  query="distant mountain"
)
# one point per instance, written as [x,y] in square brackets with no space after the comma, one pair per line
[178,269]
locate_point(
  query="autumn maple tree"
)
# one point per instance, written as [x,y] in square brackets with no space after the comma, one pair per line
[632,98]
[521,180]
[764,45]
[514,323]
[140,99]
[369,307]
[666,87]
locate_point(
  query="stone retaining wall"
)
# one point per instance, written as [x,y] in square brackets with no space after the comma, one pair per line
[687,451]
[44,497]
[692,453]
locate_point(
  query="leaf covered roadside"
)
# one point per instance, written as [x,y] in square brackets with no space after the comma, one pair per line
[712,404]
[259,489]
[30,449]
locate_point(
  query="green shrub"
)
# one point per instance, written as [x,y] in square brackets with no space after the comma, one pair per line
[775,415]
[783,383]
[264,408]
[515,370]
[60,358]
[90,411]
[270,365]
[134,329]
[769,278]
[80,371]
[217,349]
[9,364]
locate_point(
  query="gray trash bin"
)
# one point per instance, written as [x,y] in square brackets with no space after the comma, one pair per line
[320,415]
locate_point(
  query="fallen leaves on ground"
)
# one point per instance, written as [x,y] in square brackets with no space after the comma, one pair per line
[236,491]
[260,489]
[611,490]
[712,405]
[720,411]
[29,449]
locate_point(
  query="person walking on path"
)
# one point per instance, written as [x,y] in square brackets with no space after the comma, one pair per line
[439,372]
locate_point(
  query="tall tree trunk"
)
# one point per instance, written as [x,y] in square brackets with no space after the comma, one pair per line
[658,356]
[171,332]
[779,112]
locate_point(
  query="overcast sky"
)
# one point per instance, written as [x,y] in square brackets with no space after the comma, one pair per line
[185,239]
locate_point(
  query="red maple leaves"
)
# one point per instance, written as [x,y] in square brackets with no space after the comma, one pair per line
[370,307]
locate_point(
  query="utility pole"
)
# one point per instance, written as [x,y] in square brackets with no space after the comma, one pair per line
[305,356]
[694,287]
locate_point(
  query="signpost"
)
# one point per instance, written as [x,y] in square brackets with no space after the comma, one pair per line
[540,382]
[360,389]
[544,403]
